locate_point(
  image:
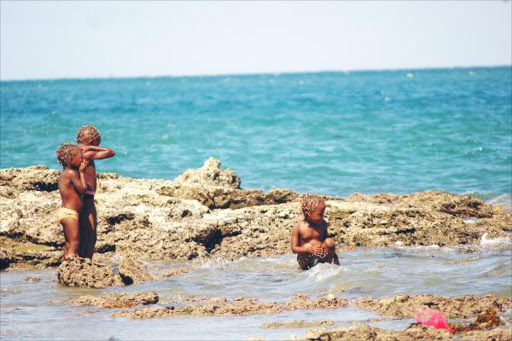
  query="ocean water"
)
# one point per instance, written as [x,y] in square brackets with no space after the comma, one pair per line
[333,132]
[28,312]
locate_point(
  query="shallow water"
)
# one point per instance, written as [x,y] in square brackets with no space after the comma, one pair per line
[451,271]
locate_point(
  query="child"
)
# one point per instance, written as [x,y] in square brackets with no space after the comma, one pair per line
[309,237]
[89,138]
[71,186]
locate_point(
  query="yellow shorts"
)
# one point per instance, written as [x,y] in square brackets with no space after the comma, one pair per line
[63,213]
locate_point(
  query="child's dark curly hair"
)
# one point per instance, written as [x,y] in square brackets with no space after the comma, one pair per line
[310,203]
[87,133]
[65,151]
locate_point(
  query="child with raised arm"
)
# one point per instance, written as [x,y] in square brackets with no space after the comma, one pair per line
[71,187]
[309,236]
[89,138]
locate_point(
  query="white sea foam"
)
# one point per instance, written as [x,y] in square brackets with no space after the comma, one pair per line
[485,241]
[504,201]
[322,271]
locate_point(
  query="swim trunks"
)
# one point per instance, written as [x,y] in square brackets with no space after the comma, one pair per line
[63,213]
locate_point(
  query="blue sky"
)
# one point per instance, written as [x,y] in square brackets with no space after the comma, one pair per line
[63,39]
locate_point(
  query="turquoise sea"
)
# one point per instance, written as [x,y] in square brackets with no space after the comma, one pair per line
[332,132]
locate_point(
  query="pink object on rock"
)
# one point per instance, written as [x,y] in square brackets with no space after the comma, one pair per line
[433,318]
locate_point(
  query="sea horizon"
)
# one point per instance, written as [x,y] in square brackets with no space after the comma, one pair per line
[256,73]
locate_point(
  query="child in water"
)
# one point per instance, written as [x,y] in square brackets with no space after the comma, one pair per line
[71,186]
[309,237]
[89,138]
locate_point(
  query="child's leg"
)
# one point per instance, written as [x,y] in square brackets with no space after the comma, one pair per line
[90,221]
[306,261]
[329,246]
[71,235]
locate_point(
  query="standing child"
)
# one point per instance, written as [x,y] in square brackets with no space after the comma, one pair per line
[309,237]
[89,138]
[71,186]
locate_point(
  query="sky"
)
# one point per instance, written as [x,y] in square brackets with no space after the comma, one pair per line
[72,39]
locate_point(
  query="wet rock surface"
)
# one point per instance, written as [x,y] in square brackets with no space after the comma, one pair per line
[365,332]
[414,332]
[487,326]
[406,306]
[81,272]
[175,272]
[133,271]
[238,306]
[205,213]
[32,279]
[117,300]
[22,254]
[298,324]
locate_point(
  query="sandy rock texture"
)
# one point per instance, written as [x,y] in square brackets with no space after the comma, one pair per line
[204,213]
[413,333]
[366,332]
[132,271]
[487,327]
[239,306]
[19,253]
[117,300]
[175,272]
[83,272]
[406,306]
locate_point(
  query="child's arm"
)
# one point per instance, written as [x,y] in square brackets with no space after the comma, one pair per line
[78,180]
[97,153]
[296,248]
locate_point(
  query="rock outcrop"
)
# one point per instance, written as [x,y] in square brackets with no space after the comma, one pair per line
[406,306]
[82,272]
[132,271]
[415,332]
[205,213]
[238,306]
[117,300]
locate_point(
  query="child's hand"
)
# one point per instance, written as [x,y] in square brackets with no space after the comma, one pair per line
[318,251]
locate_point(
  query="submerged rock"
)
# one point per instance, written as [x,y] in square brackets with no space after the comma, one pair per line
[117,300]
[177,272]
[82,272]
[298,324]
[32,279]
[238,306]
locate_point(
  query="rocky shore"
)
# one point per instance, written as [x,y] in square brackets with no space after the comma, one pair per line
[205,213]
